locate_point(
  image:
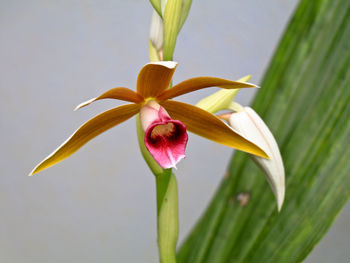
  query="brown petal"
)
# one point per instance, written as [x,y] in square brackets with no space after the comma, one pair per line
[208,126]
[201,83]
[119,93]
[155,77]
[86,132]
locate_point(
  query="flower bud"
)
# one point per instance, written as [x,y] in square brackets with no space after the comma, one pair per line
[165,138]
[251,126]
[156,32]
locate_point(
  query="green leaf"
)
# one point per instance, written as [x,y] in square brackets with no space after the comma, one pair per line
[305,101]
[157,5]
[186,6]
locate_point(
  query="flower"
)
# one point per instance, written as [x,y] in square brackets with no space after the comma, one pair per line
[152,85]
[248,123]
[165,138]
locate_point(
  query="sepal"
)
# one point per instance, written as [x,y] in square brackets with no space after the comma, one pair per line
[249,124]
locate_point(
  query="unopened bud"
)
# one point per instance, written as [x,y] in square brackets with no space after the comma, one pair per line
[156,32]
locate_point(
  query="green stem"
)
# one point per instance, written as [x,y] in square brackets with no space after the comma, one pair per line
[166,185]
[167,213]
[167,203]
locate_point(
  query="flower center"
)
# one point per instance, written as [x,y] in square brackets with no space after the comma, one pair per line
[166,130]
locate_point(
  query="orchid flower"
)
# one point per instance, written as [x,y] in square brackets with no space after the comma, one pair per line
[153,82]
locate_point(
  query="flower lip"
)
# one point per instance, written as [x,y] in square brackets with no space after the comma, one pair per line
[165,138]
[166,141]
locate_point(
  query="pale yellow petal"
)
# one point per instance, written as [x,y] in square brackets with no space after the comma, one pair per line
[221,99]
[208,126]
[86,132]
[202,83]
[155,77]
[119,93]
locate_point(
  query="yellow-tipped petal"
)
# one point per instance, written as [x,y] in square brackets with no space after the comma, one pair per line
[221,99]
[119,93]
[202,83]
[155,77]
[86,132]
[208,126]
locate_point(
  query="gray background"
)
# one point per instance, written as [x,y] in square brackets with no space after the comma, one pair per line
[99,205]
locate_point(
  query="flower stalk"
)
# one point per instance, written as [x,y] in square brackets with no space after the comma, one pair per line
[167,215]
[166,184]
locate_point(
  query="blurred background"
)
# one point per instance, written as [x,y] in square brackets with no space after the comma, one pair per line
[99,205]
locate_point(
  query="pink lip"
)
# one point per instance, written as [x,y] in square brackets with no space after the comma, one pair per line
[165,138]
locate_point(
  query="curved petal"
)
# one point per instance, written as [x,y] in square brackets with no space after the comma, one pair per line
[201,83]
[119,93]
[86,132]
[208,126]
[155,77]
[249,123]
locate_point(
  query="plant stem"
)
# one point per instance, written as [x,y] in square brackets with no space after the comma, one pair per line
[166,185]
[167,215]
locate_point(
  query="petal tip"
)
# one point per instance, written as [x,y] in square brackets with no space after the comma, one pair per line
[83,104]
[33,172]
[250,84]
[265,155]
[280,201]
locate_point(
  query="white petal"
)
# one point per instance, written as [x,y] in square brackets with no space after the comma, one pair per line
[249,124]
